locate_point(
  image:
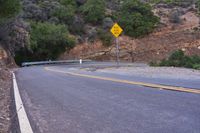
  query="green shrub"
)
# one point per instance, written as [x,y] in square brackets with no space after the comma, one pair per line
[153,63]
[65,14]
[68,2]
[196,66]
[94,11]
[105,37]
[179,59]
[47,41]
[8,9]
[137,18]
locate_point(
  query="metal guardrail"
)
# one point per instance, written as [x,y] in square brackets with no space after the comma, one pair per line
[53,62]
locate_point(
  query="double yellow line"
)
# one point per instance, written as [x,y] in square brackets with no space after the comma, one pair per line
[166,87]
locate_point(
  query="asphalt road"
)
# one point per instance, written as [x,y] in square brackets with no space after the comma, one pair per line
[63,103]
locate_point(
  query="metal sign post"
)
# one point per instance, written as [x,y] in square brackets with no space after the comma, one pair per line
[116,30]
[117,50]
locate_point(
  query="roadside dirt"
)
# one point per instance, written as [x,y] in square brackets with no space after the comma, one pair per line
[5,100]
[6,63]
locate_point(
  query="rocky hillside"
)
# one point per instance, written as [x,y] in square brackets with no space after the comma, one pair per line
[178,29]
[68,29]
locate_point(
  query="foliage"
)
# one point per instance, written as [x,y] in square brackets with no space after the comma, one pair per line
[198,6]
[136,18]
[47,41]
[179,59]
[8,9]
[196,66]
[65,14]
[94,10]
[68,2]
[105,37]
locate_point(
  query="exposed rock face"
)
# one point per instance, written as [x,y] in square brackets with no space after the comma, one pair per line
[6,59]
[3,53]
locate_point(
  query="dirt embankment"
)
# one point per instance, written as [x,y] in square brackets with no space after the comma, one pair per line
[156,46]
[6,62]
[5,100]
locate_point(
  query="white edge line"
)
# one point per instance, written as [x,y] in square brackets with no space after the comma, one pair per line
[24,123]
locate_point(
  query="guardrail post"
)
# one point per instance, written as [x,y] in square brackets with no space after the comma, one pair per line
[81,61]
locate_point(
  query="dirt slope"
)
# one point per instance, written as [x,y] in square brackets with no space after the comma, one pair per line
[159,45]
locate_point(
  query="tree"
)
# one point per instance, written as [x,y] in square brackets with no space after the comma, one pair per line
[94,10]
[48,41]
[137,18]
[8,9]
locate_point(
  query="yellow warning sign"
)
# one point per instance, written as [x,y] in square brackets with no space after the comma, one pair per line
[116,30]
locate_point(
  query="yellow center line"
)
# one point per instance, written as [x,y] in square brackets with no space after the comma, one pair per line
[166,87]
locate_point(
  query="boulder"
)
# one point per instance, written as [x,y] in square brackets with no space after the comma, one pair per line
[107,23]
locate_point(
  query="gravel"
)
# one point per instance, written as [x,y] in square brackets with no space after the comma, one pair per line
[156,72]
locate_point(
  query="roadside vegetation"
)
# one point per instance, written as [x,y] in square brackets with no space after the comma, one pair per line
[94,11]
[53,23]
[137,18]
[8,9]
[179,59]
[47,41]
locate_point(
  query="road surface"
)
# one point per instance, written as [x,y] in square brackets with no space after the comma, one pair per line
[59,102]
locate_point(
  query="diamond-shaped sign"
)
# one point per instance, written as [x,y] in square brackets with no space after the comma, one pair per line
[116,30]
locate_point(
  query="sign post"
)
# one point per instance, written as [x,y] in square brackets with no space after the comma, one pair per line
[116,30]
[117,50]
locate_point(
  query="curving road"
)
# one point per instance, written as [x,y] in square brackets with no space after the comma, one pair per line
[59,102]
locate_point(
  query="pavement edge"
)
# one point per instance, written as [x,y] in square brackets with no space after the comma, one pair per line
[23,120]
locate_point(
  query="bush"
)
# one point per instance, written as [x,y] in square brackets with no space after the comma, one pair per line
[137,18]
[179,59]
[105,37]
[47,41]
[77,26]
[65,14]
[8,9]
[94,10]
[196,66]
[68,2]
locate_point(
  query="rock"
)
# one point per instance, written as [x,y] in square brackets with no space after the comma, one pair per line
[107,23]
[79,39]
[175,16]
